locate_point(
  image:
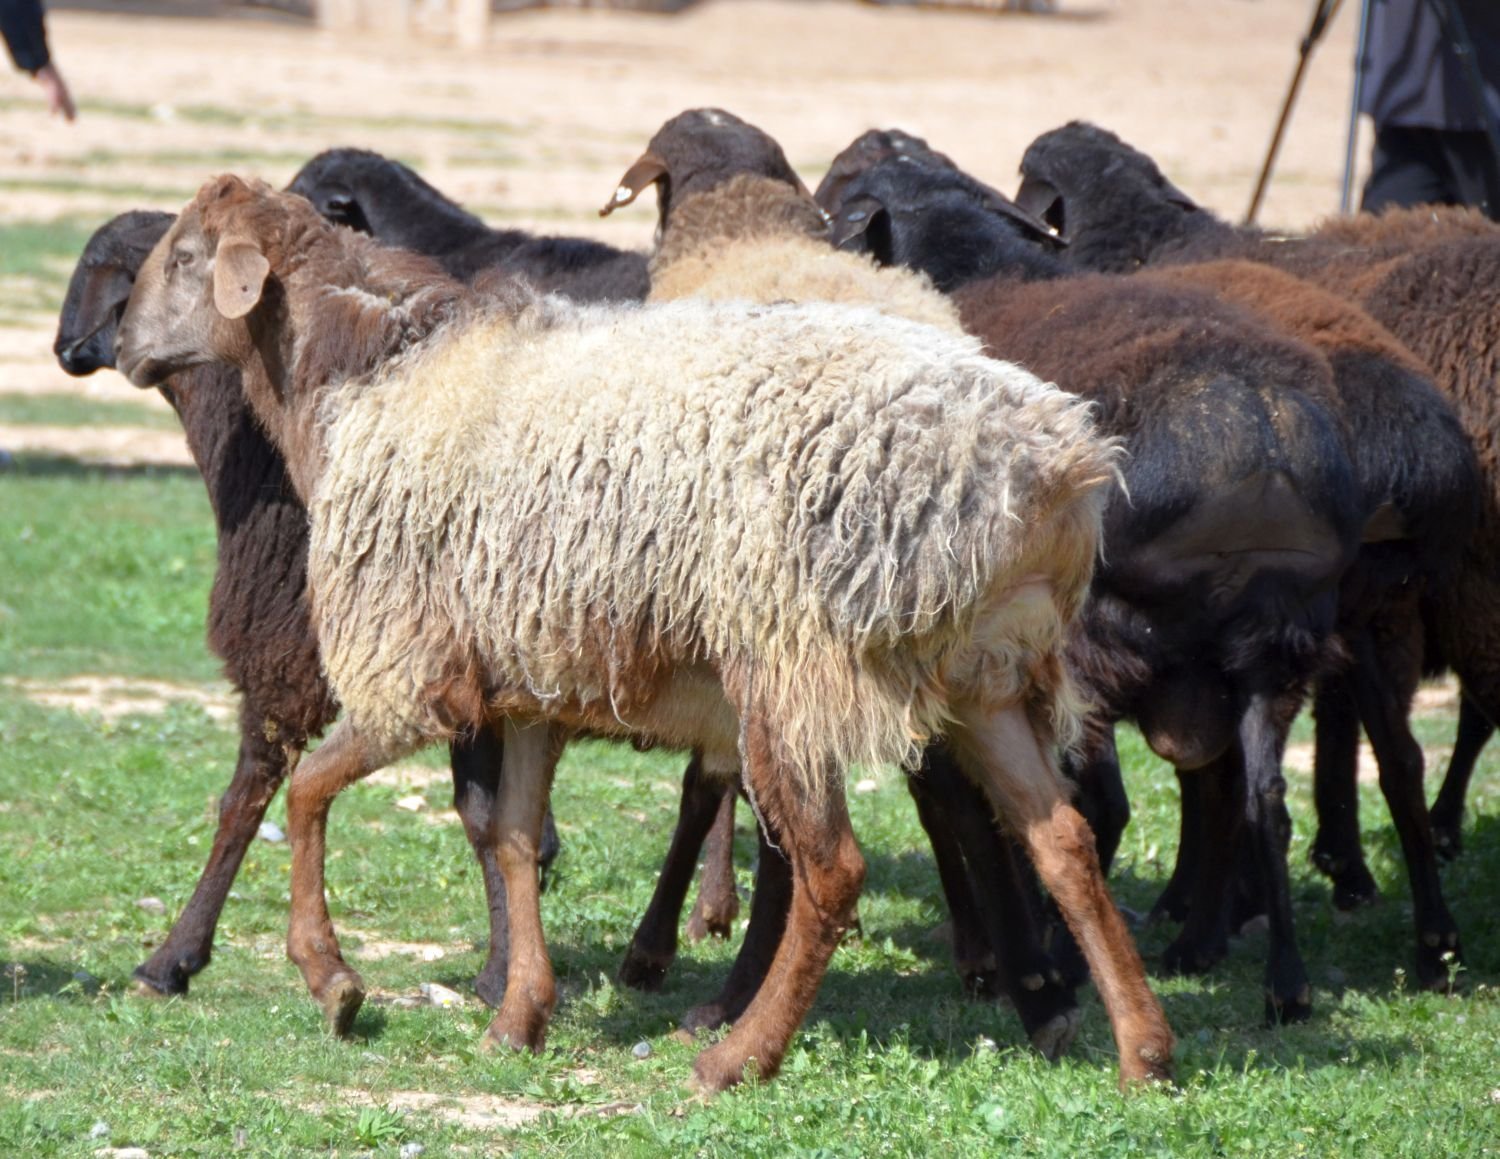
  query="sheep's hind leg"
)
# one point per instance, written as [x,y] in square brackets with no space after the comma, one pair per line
[262,766]
[1002,750]
[654,945]
[1447,816]
[1337,850]
[1384,704]
[827,872]
[769,905]
[531,755]
[1211,829]
[342,759]
[1002,905]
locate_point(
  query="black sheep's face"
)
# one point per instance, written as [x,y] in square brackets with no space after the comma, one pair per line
[91,311]
[1068,169]
[334,198]
[99,289]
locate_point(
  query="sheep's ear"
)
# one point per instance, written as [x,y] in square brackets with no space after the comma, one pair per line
[861,224]
[648,170]
[240,271]
[1028,222]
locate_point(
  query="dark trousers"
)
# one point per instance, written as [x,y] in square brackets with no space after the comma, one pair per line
[1433,167]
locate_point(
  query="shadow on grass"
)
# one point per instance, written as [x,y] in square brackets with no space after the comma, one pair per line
[30,978]
[27,464]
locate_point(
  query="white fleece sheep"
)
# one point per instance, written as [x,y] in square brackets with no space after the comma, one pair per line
[570,497]
[797,535]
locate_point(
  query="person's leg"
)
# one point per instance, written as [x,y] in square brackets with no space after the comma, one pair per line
[1407,167]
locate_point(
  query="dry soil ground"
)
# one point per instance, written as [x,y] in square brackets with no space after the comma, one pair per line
[535,127]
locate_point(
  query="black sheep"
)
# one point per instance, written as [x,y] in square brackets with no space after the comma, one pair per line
[1430,276]
[1418,478]
[385,199]
[1213,606]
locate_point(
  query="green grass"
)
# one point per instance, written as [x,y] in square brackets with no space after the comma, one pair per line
[66,410]
[107,572]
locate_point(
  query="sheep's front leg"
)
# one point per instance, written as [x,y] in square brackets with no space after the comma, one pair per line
[1268,828]
[531,754]
[827,873]
[1002,751]
[261,768]
[342,759]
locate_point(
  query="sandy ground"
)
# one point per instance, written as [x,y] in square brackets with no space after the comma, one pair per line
[536,127]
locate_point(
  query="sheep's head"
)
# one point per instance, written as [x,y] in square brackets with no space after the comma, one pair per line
[697,151]
[870,148]
[197,288]
[100,286]
[334,181]
[938,219]
[1068,172]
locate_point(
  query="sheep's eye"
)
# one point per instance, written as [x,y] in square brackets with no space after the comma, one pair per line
[182,258]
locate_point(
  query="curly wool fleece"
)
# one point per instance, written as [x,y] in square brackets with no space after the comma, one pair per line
[565,504]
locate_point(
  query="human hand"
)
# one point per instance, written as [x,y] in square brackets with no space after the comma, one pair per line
[59,100]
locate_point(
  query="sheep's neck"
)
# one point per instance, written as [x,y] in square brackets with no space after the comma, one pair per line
[319,338]
[747,206]
[288,415]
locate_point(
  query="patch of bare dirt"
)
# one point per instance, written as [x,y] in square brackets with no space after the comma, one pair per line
[107,446]
[409,777]
[113,697]
[477,1112]
[376,949]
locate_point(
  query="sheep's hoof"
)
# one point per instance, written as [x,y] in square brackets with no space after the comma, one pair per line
[489,984]
[706,1017]
[717,1069]
[141,988]
[1439,958]
[1283,1010]
[1055,1038]
[642,970]
[529,1032]
[1149,1067]
[146,987]
[1187,958]
[341,1000]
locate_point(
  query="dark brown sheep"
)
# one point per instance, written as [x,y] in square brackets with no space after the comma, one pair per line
[1430,276]
[1212,674]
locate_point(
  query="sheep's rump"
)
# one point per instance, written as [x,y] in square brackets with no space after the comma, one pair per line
[579,504]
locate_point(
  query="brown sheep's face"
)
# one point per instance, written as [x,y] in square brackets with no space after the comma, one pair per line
[190,302]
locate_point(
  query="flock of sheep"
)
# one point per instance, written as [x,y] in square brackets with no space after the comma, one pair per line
[805,508]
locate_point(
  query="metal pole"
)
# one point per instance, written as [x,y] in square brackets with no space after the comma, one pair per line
[1361,55]
[1325,11]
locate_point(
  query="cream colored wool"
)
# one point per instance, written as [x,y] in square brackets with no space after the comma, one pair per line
[833,504]
[759,240]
